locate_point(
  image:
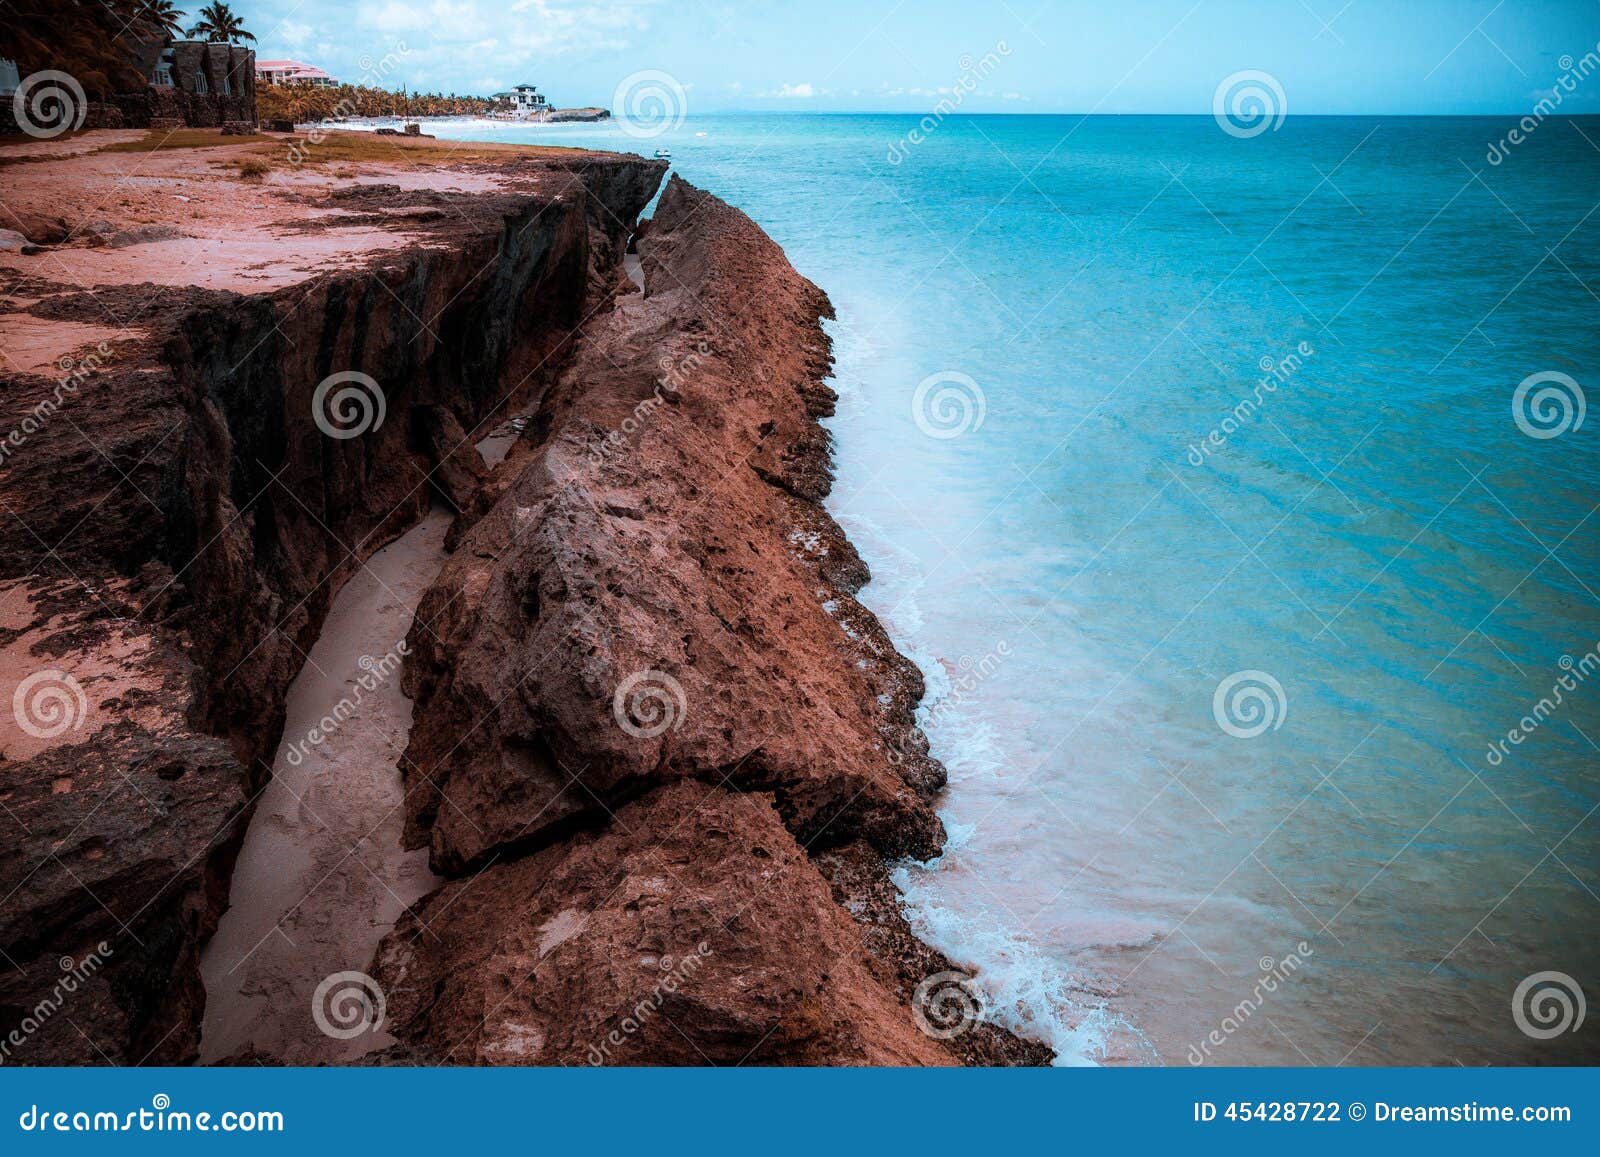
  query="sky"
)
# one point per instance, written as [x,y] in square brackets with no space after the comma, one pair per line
[1128,56]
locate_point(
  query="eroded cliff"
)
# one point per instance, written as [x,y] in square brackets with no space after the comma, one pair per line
[183,503]
[659,751]
[647,700]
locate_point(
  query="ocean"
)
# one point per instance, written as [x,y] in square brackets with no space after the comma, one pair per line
[1236,495]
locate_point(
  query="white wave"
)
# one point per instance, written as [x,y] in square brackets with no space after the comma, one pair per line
[1023,990]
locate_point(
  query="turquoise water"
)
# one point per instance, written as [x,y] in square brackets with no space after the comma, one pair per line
[1381,570]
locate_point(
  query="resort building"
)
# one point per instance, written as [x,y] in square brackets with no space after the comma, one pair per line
[292,72]
[523,98]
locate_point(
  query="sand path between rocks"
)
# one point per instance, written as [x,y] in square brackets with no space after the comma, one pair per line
[321,876]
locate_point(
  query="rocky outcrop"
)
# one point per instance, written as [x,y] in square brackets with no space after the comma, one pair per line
[686,567]
[691,930]
[186,498]
[659,750]
[646,699]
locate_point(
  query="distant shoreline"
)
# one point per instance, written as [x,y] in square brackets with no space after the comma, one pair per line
[554,116]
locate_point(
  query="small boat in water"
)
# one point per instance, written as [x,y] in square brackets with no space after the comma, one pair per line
[664,154]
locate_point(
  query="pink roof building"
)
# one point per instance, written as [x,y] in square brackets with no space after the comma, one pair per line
[292,72]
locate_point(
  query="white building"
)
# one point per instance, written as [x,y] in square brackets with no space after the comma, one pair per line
[523,98]
[292,72]
[9,80]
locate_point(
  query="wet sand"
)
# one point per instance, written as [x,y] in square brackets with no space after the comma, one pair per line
[321,877]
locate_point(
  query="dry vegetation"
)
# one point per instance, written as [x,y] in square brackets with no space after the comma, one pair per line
[182,139]
[342,148]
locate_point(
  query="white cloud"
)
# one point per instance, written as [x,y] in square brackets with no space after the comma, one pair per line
[803,91]
[292,34]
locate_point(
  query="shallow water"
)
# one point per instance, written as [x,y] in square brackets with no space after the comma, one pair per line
[1401,570]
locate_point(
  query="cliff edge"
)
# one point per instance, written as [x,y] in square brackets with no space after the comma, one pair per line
[659,751]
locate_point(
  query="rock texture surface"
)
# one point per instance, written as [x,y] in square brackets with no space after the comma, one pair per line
[659,752]
[647,698]
[180,520]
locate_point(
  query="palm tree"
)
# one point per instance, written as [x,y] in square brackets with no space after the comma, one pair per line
[219,25]
[160,18]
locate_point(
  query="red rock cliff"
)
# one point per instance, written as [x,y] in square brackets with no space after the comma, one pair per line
[656,737]
[659,750]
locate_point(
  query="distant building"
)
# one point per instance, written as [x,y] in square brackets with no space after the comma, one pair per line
[523,98]
[292,72]
[191,82]
[176,83]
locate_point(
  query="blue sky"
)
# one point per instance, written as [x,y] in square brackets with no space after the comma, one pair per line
[1130,56]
